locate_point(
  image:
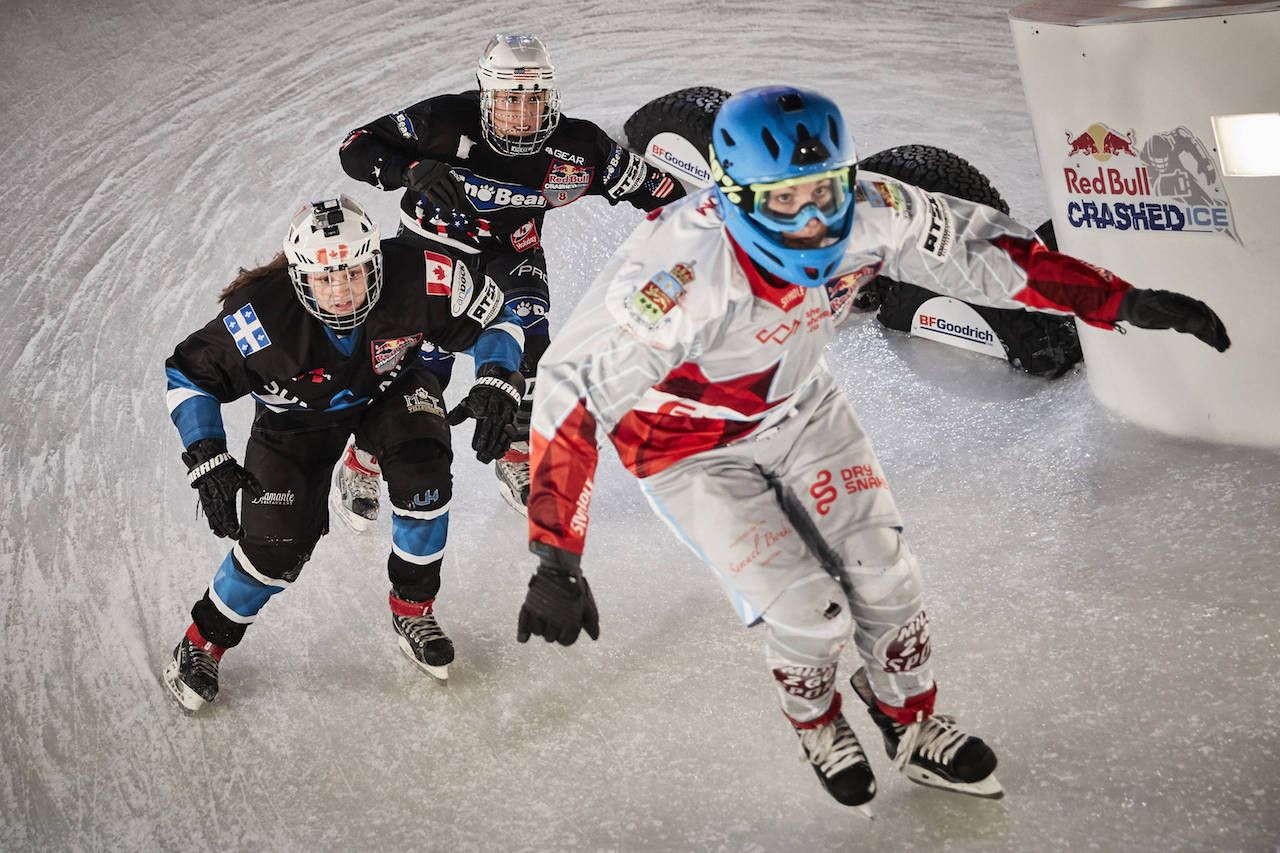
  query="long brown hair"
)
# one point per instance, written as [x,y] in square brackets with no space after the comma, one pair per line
[274,268]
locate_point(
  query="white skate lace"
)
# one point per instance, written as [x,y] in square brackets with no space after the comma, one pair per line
[833,747]
[936,739]
[357,485]
[421,630]
[201,663]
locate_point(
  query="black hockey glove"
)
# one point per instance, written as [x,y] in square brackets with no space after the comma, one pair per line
[559,603]
[493,402]
[1164,309]
[433,180]
[213,472]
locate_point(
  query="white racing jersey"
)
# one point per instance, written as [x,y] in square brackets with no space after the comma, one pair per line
[681,345]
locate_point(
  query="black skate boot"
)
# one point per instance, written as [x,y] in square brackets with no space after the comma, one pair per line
[512,471]
[838,760]
[940,754]
[353,496]
[421,638]
[192,674]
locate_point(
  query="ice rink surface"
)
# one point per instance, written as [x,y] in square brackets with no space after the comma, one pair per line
[1103,598]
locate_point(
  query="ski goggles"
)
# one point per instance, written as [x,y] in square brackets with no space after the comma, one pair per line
[789,204]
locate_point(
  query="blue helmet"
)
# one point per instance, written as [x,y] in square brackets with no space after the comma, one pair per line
[763,142]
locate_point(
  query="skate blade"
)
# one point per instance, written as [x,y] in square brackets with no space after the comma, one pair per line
[439,673]
[189,700]
[865,811]
[355,523]
[512,499]
[988,788]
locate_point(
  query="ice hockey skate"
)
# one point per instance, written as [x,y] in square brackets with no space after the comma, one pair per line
[422,639]
[353,496]
[839,762]
[939,754]
[512,471]
[192,673]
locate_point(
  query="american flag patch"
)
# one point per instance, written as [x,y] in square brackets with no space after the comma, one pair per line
[246,331]
[660,188]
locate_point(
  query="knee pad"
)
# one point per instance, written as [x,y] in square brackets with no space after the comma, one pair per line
[887,598]
[281,562]
[881,570]
[810,622]
[418,476]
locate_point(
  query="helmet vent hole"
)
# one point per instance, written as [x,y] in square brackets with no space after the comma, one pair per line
[770,142]
[833,132]
[728,140]
[791,102]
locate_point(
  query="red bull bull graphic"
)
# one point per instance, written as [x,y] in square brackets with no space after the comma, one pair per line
[1169,183]
[566,182]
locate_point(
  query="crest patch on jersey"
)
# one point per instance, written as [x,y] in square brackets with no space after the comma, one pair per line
[884,194]
[439,272]
[421,401]
[660,294]
[388,352]
[246,330]
[566,182]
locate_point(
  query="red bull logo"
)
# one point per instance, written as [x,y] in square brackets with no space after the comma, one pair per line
[566,182]
[1164,182]
[1101,143]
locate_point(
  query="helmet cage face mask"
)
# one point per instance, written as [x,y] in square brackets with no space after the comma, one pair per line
[333,244]
[517,80]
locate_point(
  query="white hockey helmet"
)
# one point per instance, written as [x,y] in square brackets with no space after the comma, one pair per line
[511,69]
[333,246]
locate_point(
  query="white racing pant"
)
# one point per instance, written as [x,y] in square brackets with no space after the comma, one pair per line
[802,531]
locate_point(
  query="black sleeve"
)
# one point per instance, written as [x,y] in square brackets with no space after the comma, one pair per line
[627,177]
[378,152]
[212,361]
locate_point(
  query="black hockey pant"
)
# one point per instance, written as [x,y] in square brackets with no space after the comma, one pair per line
[293,456]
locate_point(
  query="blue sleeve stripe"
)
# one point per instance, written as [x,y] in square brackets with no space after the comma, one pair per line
[497,346]
[417,539]
[195,412]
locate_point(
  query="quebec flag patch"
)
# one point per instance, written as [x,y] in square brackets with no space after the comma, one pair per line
[247,331]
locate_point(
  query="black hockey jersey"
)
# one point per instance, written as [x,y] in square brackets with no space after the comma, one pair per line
[509,195]
[265,344]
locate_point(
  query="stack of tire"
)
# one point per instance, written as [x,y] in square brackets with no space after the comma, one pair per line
[1040,344]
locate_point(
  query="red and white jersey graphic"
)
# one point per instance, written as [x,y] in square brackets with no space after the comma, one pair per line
[681,345]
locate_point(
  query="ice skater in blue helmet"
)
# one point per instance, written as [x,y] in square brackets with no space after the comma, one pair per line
[699,353]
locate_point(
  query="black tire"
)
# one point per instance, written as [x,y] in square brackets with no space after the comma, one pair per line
[937,171]
[1041,344]
[688,112]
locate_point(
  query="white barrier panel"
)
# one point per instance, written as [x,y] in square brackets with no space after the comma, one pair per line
[1122,98]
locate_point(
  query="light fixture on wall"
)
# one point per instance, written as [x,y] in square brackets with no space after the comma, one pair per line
[1248,144]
